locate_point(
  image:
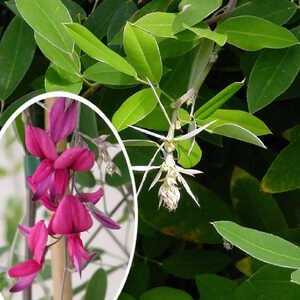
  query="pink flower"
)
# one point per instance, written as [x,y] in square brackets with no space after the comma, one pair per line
[37,241]
[62,119]
[77,159]
[27,272]
[39,144]
[70,217]
[78,255]
[92,197]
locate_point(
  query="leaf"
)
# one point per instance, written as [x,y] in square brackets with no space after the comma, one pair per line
[273,73]
[97,50]
[46,18]
[86,179]
[276,11]
[158,23]
[58,79]
[207,109]
[255,208]
[189,263]
[284,173]
[66,61]
[235,131]
[186,159]
[97,286]
[238,117]
[295,277]
[195,11]
[16,104]
[76,11]
[119,19]
[99,21]
[194,228]
[202,30]
[253,33]
[134,109]
[214,287]
[263,246]
[106,74]
[16,53]
[125,296]
[165,293]
[143,52]
[274,283]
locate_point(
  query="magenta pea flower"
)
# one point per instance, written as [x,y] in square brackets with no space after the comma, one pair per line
[78,255]
[37,241]
[62,118]
[71,216]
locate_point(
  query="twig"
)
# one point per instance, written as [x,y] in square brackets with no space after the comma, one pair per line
[117,242]
[91,90]
[230,8]
[65,269]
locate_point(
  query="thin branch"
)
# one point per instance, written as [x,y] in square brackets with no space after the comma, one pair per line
[230,8]
[117,242]
[65,270]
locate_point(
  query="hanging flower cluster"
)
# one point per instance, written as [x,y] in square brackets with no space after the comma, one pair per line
[49,184]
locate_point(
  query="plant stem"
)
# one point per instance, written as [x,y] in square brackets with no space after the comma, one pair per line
[91,90]
[230,8]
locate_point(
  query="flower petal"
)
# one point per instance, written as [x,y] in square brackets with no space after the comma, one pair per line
[78,159]
[45,200]
[62,119]
[104,220]
[25,230]
[78,255]
[39,144]
[92,197]
[71,216]
[37,240]
[26,268]
[43,171]
[62,178]
[23,283]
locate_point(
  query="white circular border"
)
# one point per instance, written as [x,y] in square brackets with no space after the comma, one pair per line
[116,134]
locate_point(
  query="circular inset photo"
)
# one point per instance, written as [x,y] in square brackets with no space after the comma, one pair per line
[68,202]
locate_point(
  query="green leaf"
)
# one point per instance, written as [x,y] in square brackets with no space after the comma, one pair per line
[97,50]
[274,283]
[86,179]
[263,246]
[295,277]
[184,158]
[255,208]
[16,53]
[16,104]
[119,19]
[97,286]
[207,109]
[276,11]
[237,132]
[76,11]
[106,74]
[99,21]
[57,79]
[46,18]
[173,48]
[125,296]
[202,30]
[253,33]
[284,173]
[20,130]
[238,117]
[134,109]
[165,293]
[280,67]
[66,61]
[214,287]
[158,23]
[194,228]
[195,11]
[143,52]
[189,263]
